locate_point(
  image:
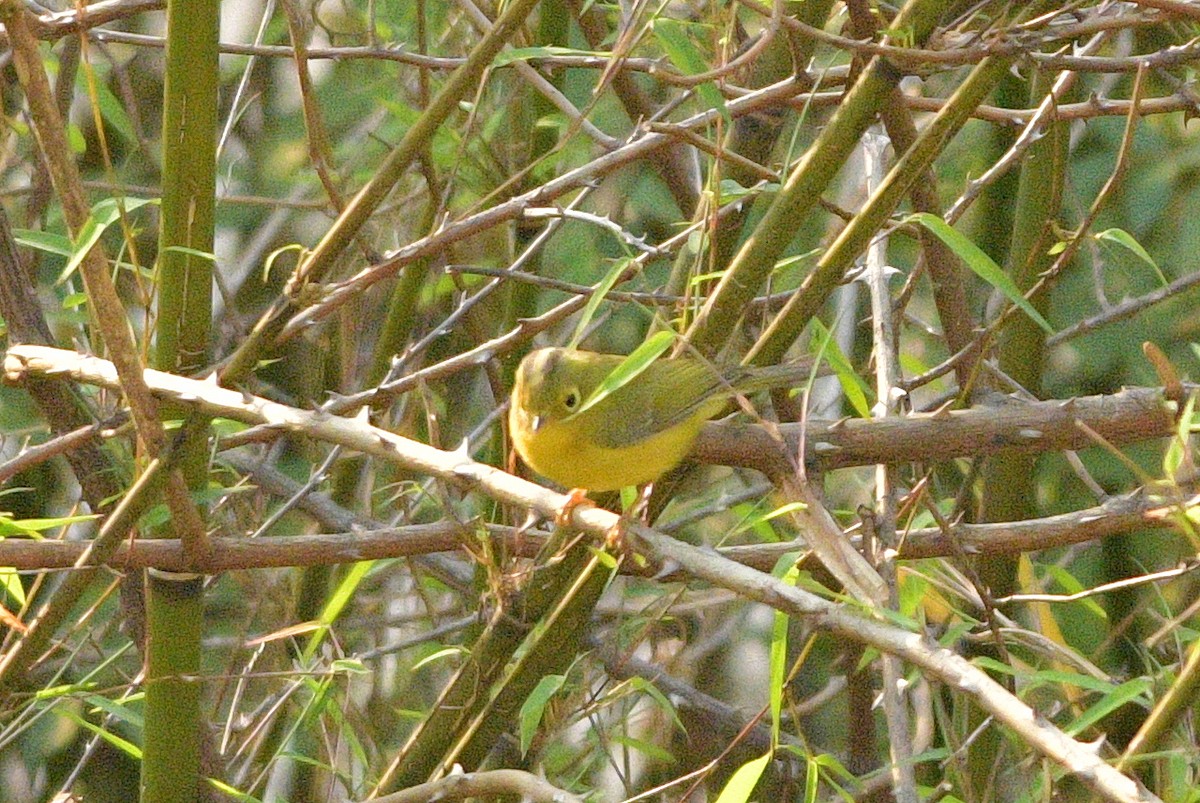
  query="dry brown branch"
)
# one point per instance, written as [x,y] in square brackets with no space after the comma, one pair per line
[1132,513]
[1005,424]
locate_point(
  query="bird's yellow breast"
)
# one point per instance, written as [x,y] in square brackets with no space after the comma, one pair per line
[558,450]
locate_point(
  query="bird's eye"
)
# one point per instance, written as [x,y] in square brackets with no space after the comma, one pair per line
[571,400]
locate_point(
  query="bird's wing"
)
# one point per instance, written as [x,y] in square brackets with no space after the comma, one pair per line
[669,392]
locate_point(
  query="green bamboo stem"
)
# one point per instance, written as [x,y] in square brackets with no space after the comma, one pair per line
[753,137]
[171,736]
[1008,480]
[174,603]
[110,319]
[855,237]
[484,677]
[753,263]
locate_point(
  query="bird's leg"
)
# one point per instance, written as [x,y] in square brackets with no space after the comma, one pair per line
[576,497]
[614,539]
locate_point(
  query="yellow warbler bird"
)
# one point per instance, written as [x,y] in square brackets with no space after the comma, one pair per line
[632,435]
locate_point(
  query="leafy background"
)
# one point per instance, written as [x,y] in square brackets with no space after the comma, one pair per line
[315,676]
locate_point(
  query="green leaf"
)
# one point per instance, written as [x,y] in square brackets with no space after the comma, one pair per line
[49,242]
[30,528]
[664,704]
[605,559]
[649,749]
[1060,677]
[534,707]
[76,141]
[117,708]
[351,666]
[1072,585]
[10,582]
[546,51]
[124,745]
[674,37]
[194,252]
[1136,690]
[788,573]
[755,521]
[742,784]
[593,304]
[730,191]
[104,214]
[1125,240]
[1177,448]
[852,384]
[228,790]
[436,656]
[984,662]
[111,109]
[630,367]
[63,690]
[979,262]
[337,602]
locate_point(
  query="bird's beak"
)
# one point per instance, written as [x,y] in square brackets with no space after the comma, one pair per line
[537,423]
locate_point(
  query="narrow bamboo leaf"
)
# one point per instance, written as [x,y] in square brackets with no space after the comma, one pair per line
[1071,585]
[226,789]
[606,559]
[1126,241]
[754,521]
[76,141]
[742,784]
[1178,448]
[194,252]
[125,746]
[672,35]
[593,304]
[730,191]
[534,707]
[664,704]
[104,214]
[436,656]
[31,527]
[1060,677]
[350,666]
[63,690]
[831,768]
[852,384]
[808,256]
[1133,691]
[912,589]
[991,664]
[338,600]
[117,709]
[979,262]
[46,241]
[545,51]
[10,582]
[630,367]
[649,749]
[787,573]
[110,108]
